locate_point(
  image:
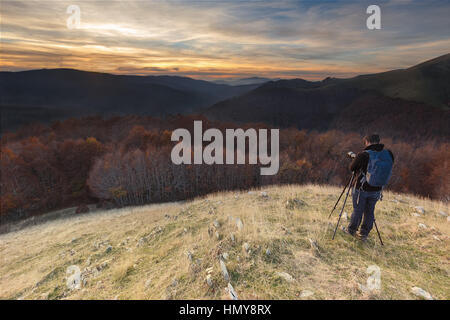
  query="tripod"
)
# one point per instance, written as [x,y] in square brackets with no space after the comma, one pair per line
[349,186]
[335,205]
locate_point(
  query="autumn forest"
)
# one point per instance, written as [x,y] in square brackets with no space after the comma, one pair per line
[125,160]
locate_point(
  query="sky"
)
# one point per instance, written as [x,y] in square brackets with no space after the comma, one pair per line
[220,39]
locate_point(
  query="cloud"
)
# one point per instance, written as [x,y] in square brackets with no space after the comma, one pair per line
[227,38]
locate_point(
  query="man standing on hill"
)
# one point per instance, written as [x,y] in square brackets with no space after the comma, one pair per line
[373,168]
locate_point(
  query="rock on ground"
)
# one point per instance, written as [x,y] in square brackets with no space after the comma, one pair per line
[239,224]
[306,293]
[233,294]
[420,209]
[419,292]
[225,274]
[74,277]
[314,244]
[285,276]
[209,280]
[442,213]
[189,255]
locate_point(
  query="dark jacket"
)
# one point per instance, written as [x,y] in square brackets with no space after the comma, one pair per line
[359,166]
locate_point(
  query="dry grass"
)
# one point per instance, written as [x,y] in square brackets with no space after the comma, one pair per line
[34,260]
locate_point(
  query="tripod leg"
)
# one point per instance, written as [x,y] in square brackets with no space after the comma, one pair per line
[343,206]
[379,235]
[335,205]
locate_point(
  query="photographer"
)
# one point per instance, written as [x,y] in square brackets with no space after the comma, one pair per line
[373,168]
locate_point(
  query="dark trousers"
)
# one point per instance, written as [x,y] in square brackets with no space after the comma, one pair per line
[363,209]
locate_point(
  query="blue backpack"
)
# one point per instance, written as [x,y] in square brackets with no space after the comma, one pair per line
[379,168]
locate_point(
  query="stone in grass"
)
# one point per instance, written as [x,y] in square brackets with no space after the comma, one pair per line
[189,255]
[209,280]
[295,204]
[314,244]
[225,255]
[217,235]
[268,252]
[141,242]
[239,224]
[264,195]
[306,293]
[420,209]
[233,238]
[108,249]
[285,276]
[246,247]
[419,292]
[345,216]
[415,214]
[443,214]
[422,226]
[232,293]
[148,282]
[225,274]
[216,224]
[436,238]
[74,277]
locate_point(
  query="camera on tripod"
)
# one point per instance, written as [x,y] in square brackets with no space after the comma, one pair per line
[351,155]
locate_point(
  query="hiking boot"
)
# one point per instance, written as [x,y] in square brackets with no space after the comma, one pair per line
[345,229]
[361,236]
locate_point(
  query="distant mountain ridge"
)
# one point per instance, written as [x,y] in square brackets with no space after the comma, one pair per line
[51,94]
[318,104]
[244,81]
[38,95]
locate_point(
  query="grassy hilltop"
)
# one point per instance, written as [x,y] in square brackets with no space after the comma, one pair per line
[282,250]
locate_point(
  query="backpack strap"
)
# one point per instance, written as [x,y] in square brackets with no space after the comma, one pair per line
[364,178]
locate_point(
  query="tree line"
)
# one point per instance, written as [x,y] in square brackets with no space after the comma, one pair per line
[126,161]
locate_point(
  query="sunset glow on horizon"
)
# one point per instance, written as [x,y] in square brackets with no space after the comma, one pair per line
[223,39]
